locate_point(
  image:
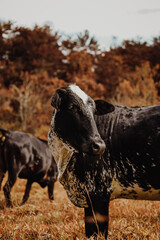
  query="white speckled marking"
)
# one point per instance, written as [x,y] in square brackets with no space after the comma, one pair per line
[119,191]
[61,151]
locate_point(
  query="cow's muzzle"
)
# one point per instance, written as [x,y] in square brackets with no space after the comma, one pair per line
[98,146]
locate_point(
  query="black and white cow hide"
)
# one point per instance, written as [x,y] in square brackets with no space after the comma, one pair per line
[104,152]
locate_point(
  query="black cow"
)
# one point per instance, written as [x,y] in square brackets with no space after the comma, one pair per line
[27,157]
[104,152]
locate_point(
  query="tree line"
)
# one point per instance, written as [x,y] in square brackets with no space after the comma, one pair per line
[34,62]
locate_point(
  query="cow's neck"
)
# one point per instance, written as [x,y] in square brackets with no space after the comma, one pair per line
[62,152]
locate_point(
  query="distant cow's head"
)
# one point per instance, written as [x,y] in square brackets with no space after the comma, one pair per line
[73,119]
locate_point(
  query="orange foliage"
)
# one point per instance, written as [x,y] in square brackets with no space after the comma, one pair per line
[138,88]
[89,85]
[80,63]
[35,62]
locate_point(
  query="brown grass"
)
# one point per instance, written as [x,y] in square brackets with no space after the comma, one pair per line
[44,220]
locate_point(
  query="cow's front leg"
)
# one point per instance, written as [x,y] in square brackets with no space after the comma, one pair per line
[27,191]
[96,217]
[1,177]
[50,190]
[8,186]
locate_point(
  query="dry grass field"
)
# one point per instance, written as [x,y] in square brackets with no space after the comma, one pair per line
[41,219]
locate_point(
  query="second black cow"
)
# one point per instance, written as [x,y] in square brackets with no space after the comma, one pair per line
[27,157]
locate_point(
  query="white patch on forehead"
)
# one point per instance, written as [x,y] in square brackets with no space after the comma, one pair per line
[79,92]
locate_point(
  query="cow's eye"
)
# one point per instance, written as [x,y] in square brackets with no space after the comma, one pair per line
[92,106]
[70,106]
[73,108]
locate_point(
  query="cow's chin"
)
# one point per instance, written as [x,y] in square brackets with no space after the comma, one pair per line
[87,152]
[91,153]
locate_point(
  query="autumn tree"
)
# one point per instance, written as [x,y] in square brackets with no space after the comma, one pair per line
[137,88]
[107,70]
[5,30]
[82,41]
[34,50]
[133,53]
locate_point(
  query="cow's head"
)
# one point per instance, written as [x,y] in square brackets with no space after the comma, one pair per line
[73,119]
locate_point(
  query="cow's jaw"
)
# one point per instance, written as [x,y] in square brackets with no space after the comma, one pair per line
[62,152]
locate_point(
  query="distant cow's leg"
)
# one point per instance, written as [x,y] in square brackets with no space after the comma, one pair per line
[27,191]
[96,217]
[1,177]
[2,172]
[50,190]
[8,186]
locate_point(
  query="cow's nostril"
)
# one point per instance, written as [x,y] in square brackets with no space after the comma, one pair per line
[95,147]
[98,148]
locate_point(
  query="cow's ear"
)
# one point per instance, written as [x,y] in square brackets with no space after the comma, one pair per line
[103,107]
[57,98]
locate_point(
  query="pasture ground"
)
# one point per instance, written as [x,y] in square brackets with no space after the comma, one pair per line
[41,219]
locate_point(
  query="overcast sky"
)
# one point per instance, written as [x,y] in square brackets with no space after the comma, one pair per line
[125,19]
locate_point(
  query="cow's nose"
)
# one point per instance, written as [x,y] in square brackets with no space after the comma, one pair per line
[98,147]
